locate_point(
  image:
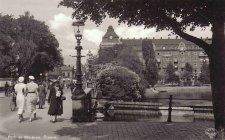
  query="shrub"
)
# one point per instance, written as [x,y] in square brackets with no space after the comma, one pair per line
[117,81]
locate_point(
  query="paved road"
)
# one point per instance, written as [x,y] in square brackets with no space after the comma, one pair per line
[43,128]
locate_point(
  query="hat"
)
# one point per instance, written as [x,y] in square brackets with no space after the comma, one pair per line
[31,77]
[21,79]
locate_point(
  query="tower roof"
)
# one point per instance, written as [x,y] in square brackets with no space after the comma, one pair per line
[110,32]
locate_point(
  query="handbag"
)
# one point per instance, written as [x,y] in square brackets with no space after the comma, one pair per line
[63,98]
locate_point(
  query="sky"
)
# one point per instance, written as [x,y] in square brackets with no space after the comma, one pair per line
[59,20]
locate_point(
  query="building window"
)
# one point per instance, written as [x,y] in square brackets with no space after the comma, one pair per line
[195,53]
[196,64]
[195,59]
[158,53]
[164,48]
[174,53]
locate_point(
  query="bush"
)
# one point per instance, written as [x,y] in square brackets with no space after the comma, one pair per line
[119,82]
[198,83]
[187,83]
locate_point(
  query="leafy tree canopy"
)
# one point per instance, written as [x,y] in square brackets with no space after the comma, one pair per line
[32,40]
[205,73]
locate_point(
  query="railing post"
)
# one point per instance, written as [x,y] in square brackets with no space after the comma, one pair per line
[170,109]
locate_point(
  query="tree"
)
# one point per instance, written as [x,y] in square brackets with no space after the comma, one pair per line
[151,72]
[27,52]
[170,69]
[31,40]
[205,74]
[151,68]
[48,55]
[176,16]
[105,55]
[129,58]
[187,73]
[171,76]
[147,50]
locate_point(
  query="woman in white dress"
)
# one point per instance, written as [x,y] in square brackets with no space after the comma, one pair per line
[20,98]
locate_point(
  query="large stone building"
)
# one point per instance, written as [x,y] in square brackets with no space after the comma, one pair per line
[177,51]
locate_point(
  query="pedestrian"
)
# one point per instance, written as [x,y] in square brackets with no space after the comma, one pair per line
[72,86]
[42,95]
[32,97]
[54,99]
[20,98]
[6,88]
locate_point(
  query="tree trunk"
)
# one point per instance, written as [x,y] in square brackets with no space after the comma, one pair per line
[217,73]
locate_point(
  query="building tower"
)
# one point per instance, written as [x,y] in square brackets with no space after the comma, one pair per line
[110,38]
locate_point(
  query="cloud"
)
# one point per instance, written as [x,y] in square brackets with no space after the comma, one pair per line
[134,32]
[60,20]
[94,35]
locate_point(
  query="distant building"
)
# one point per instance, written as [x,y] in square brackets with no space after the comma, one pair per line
[55,73]
[67,72]
[63,71]
[177,51]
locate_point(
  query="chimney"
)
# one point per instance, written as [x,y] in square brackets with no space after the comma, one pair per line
[160,37]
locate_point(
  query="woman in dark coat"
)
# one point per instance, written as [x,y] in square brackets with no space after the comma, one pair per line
[56,106]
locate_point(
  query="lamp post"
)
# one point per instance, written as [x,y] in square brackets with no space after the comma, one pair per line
[78,96]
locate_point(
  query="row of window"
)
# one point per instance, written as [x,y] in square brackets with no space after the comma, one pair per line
[175,47]
[195,71]
[178,53]
[181,64]
[176,59]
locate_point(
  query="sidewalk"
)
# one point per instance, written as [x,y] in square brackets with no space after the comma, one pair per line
[2,94]
[64,129]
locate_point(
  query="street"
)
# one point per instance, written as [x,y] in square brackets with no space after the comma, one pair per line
[5,106]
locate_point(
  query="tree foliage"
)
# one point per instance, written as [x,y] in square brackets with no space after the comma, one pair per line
[187,73]
[32,41]
[171,77]
[205,74]
[176,16]
[147,50]
[151,68]
[129,58]
[117,81]
[151,72]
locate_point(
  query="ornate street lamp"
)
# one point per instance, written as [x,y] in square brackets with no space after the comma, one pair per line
[78,96]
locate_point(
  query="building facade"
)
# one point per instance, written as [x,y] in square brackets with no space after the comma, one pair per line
[63,71]
[175,51]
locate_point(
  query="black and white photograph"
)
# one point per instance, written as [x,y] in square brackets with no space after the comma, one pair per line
[112,69]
